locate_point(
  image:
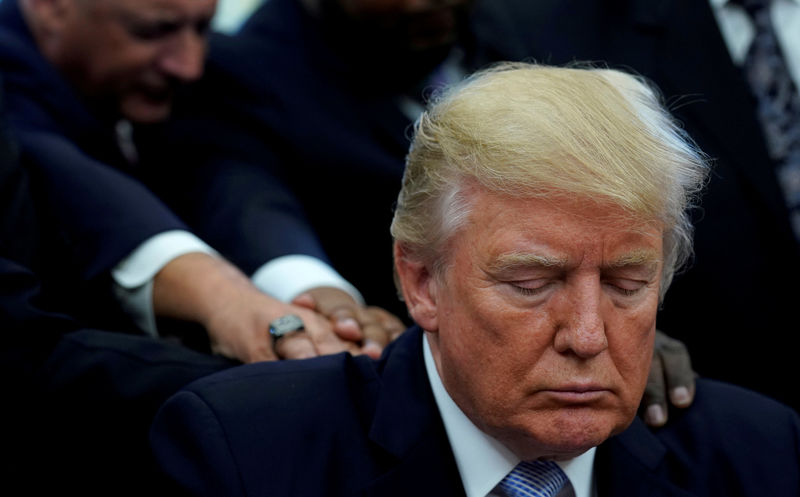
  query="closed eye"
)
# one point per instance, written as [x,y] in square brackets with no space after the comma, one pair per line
[531,288]
[626,291]
[625,287]
[153,30]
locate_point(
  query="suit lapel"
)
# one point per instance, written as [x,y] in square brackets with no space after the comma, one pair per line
[632,464]
[408,426]
[424,469]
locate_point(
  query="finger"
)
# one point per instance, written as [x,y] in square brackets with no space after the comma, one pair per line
[375,339]
[346,324]
[261,355]
[680,378]
[391,324]
[324,338]
[295,345]
[340,311]
[329,300]
[338,306]
[256,351]
[654,401]
[305,300]
[371,349]
[379,327]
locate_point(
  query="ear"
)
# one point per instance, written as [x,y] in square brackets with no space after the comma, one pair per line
[419,289]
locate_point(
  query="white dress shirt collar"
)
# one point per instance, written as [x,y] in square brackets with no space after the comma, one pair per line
[738,32]
[482,460]
[719,3]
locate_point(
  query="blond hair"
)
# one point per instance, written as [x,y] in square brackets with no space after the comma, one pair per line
[532,130]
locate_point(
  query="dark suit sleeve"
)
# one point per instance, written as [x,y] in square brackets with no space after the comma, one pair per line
[96,214]
[229,175]
[86,395]
[246,212]
[52,352]
[190,446]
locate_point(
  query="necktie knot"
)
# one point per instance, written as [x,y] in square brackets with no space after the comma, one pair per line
[534,479]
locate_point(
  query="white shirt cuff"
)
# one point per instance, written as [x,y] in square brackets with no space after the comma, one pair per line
[133,276]
[288,276]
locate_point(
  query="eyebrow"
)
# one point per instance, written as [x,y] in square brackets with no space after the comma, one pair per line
[645,259]
[519,260]
[640,257]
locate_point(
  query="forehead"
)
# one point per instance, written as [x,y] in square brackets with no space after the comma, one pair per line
[559,230]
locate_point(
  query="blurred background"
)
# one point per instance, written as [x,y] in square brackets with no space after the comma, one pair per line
[231,13]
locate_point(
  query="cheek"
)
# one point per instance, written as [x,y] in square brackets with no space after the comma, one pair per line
[493,347]
[470,344]
[632,356]
[124,58]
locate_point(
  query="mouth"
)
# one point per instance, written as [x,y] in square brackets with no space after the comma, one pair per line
[577,394]
[157,94]
[147,104]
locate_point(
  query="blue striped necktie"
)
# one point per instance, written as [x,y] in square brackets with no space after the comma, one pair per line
[533,479]
[778,103]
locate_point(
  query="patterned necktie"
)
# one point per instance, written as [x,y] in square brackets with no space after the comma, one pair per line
[778,103]
[533,479]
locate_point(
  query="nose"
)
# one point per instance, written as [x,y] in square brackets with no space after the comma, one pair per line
[580,327]
[184,58]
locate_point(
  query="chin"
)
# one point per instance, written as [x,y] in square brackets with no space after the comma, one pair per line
[147,113]
[580,430]
[567,433]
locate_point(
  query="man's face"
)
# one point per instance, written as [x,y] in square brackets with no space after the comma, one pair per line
[131,54]
[544,321]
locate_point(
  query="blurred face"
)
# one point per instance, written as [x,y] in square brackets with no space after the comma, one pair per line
[420,24]
[130,55]
[542,324]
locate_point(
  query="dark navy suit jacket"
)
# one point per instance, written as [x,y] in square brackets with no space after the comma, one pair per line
[91,210]
[310,139]
[79,401]
[80,392]
[340,425]
[85,395]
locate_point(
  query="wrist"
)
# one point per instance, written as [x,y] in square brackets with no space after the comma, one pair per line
[192,287]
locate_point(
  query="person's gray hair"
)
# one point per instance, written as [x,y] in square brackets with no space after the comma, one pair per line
[538,131]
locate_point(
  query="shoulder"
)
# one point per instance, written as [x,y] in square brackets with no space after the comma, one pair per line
[721,406]
[286,389]
[285,414]
[730,442]
[736,438]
